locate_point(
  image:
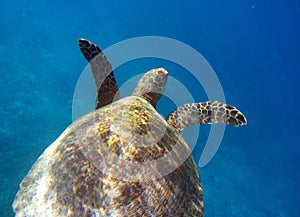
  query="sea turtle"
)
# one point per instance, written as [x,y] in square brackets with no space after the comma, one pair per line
[123,159]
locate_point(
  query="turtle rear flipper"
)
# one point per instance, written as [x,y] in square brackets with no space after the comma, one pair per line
[210,112]
[106,84]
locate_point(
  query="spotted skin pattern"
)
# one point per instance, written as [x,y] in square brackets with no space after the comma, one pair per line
[106,84]
[210,112]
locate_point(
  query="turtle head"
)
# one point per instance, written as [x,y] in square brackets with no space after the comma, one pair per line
[152,85]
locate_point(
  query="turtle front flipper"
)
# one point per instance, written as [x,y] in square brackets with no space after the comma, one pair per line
[205,113]
[106,84]
[152,85]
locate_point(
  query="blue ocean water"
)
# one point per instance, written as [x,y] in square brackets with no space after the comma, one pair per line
[253,46]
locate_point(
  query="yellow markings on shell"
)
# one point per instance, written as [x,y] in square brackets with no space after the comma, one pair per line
[104,127]
[114,142]
[139,117]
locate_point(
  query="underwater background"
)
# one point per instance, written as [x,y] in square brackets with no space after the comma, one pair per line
[253,46]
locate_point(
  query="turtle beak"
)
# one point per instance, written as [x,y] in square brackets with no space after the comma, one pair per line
[161,70]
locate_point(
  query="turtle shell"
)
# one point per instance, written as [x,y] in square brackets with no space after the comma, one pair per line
[121,160]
